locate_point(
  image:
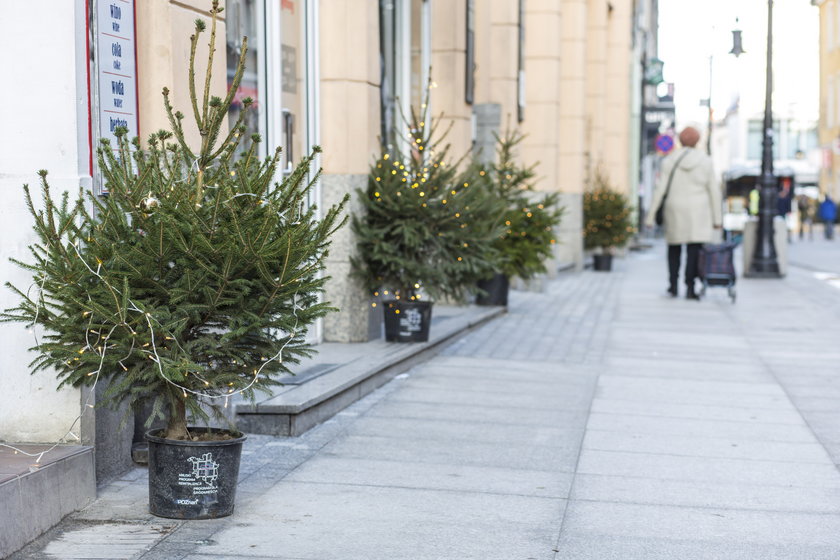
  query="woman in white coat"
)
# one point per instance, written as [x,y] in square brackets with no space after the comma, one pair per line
[692,207]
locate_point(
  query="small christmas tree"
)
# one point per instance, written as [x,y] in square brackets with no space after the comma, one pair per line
[528,235]
[606,217]
[193,279]
[426,228]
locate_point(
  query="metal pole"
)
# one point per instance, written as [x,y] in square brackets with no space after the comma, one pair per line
[642,139]
[709,135]
[764,262]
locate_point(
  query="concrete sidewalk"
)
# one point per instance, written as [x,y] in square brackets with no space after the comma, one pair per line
[816,253]
[597,420]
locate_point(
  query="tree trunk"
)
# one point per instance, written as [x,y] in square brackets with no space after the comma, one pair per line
[176,428]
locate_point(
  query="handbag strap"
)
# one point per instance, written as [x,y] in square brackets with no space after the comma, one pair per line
[671,176]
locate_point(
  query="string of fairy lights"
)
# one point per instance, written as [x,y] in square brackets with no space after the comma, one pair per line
[153,353]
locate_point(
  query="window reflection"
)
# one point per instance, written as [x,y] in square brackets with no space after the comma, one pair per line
[405,53]
[293,86]
[241,21]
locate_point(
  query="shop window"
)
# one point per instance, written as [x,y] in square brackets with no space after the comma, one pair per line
[292,82]
[243,20]
[755,139]
[405,57]
[280,73]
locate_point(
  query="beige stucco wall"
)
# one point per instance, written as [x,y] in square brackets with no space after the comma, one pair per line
[40,131]
[496,48]
[349,116]
[618,99]
[596,85]
[448,73]
[829,72]
[349,49]
[542,95]
[572,113]
[545,99]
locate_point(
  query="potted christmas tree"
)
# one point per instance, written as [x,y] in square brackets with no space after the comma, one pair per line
[526,241]
[191,281]
[425,232]
[607,223]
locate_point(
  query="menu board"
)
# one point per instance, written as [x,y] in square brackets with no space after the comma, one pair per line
[116,68]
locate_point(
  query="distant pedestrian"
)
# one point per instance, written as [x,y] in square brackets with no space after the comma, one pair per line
[784,202]
[803,205]
[692,207]
[754,198]
[828,213]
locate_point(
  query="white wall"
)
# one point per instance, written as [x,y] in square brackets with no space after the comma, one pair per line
[38,112]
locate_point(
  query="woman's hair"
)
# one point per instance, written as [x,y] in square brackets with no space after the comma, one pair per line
[689,137]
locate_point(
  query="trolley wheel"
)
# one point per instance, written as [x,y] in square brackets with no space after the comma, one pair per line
[732,294]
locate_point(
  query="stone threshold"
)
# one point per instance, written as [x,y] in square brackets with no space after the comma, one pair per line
[342,373]
[36,494]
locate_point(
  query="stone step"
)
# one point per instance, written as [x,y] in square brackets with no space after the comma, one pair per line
[341,374]
[36,492]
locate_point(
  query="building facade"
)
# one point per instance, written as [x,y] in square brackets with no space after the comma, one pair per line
[829,122]
[332,73]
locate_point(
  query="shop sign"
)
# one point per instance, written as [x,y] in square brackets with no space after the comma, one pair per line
[116,71]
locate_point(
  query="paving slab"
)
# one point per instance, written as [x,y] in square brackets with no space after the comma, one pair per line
[632,424]
[418,429]
[709,469]
[619,364]
[562,457]
[702,524]
[556,417]
[449,475]
[361,523]
[712,447]
[665,548]
[691,386]
[565,399]
[659,391]
[699,411]
[726,494]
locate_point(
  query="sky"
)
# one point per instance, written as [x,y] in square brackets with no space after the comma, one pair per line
[692,31]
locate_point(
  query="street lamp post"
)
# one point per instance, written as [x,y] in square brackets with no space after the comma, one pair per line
[709,101]
[764,262]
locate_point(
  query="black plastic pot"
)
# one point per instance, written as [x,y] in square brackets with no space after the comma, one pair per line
[407,321]
[496,289]
[602,262]
[193,479]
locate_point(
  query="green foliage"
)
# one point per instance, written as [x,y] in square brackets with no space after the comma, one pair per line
[194,277]
[425,227]
[528,235]
[606,217]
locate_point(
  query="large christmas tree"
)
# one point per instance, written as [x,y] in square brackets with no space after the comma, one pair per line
[193,279]
[425,229]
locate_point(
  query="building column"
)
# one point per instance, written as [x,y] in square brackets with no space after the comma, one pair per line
[596,86]
[619,96]
[349,119]
[449,46]
[554,111]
